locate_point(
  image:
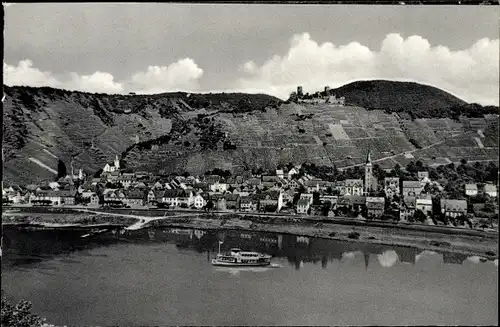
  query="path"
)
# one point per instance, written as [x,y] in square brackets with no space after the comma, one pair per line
[143,220]
[411,151]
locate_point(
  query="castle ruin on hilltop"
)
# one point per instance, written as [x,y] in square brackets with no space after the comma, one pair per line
[318,97]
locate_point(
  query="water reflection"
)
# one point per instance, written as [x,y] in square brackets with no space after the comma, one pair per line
[388,258]
[28,247]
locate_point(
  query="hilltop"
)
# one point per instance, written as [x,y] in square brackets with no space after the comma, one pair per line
[177,132]
[418,100]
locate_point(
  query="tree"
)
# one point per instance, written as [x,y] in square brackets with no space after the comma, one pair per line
[325,208]
[19,315]
[316,198]
[419,216]
[210,205]
[98,173]
[61,169]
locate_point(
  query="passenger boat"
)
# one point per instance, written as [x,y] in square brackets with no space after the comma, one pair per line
[238,258]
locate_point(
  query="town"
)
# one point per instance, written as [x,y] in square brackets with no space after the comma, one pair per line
[413,194]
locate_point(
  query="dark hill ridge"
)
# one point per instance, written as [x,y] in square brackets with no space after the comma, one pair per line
[176,132]
[418,100]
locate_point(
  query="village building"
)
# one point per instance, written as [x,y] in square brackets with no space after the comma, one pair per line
[271,199]
[247,203]
[133,197]
[424,205]
[407,208]
[453,208]
[199,201]
[232,201]
[391,187]
[412,188]
[375,206]
[55,197]
[303,206]
[307,196]
[471,189]
[350,187]
[491,190]
[280,173]
[112,167]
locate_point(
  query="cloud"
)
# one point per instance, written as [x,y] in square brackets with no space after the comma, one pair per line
[98,82]
[181,75]
[25,74]
[472,74]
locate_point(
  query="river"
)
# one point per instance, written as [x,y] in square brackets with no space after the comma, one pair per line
[164,277]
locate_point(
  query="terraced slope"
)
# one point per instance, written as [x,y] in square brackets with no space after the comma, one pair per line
[178,132]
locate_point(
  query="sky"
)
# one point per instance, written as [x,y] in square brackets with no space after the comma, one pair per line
[254,48]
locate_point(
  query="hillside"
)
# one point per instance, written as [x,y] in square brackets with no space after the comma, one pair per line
[177,132]
[421,101]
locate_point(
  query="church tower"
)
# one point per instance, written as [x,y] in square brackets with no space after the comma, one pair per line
[117,162]
[368,173]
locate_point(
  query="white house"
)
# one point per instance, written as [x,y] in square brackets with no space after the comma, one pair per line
[292,172]
[425,205]
[108,168]
[391,187]
[199,201]
[471,189]
[219,187]
[351,187]
[491,190]
[280,173]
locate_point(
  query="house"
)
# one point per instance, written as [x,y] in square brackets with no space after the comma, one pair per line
[133,197]
[219,187]
[293,184]
[96,181]
[112,177]
[375,206]
[288,196]
[232,201]
[471,189]
[407,208]
[112,167]
[125,180]
[422,175]
[351,187]
[292,172]
[109,194]
[491,190]
[254,182]
[199,201]
[316,185]
[391,187]
[356,202]
[303,206]
[175,197]
[424,205]
[56,197]
[307,196]
[247,203]
[280,173]
[412,188]
[271,199]
[54,186]
[94,199]
[453,208]
[219,201]
[328,198]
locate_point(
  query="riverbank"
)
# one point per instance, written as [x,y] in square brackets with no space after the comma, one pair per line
[475,243]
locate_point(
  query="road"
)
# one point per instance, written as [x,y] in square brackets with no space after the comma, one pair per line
[411,151]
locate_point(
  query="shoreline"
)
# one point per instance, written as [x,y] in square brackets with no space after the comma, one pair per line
[483,244]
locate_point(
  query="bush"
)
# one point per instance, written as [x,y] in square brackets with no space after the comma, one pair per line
[353,235]
[19,315]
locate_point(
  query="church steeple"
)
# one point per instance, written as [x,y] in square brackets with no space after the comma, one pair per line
[368,173]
